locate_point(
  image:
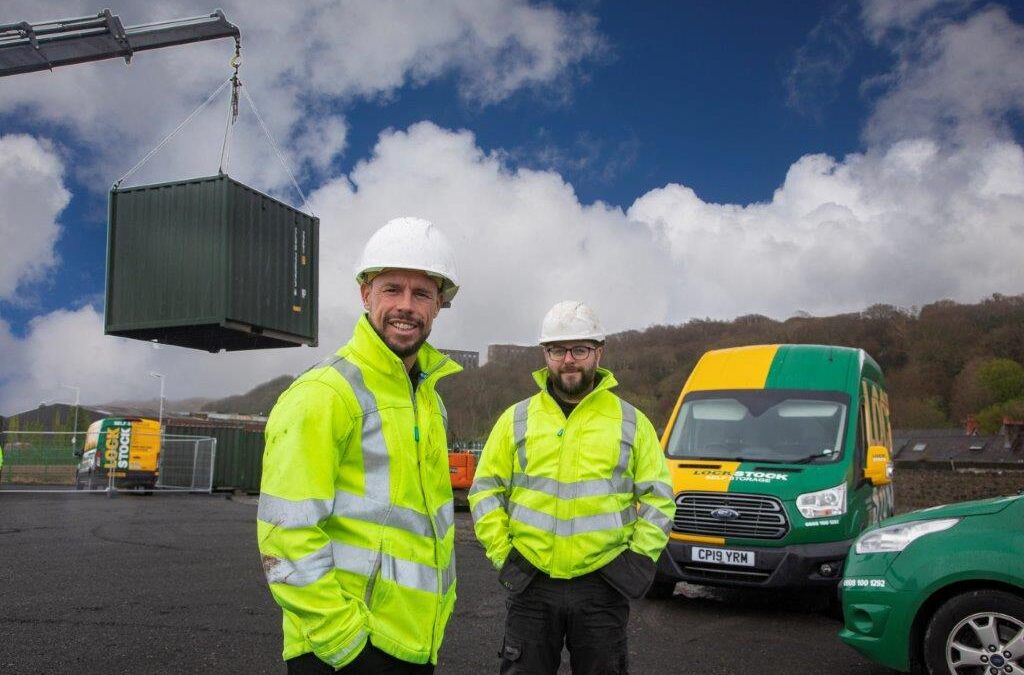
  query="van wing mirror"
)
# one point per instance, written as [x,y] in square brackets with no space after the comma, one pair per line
[78,453]
[879,466]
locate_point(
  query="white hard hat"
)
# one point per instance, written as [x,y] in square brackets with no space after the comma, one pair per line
[570,320]
[411,244]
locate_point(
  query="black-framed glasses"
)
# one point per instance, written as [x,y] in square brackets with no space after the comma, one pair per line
[579,352]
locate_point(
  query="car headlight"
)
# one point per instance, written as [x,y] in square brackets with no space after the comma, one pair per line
[895,538]
[823,503]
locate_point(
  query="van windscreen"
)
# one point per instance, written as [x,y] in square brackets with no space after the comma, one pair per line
[760,425]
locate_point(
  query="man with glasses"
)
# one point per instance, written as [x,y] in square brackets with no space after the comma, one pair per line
[572,503]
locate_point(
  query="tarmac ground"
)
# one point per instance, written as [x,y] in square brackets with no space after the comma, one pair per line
[171,583]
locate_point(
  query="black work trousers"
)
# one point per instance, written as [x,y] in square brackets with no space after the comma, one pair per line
[371,661]
[585,614]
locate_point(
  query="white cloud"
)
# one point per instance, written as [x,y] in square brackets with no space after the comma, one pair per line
[882,17]
[961,82]
[32,195]
[906,225]
[298,59]
[522,239]
[931,208]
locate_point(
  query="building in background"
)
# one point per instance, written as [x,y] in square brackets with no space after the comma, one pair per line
[506,353]
[465,358]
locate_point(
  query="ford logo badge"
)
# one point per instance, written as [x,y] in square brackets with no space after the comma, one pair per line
[725,514]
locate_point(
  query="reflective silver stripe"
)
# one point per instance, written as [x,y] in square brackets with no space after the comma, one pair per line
[301,572]
[585,488]
[577,525]
[292,513]
[364,562]
[445,518]
[448,575]
[444,412]
[519,431]
[483,483]
[626,438]
[337,657]
[485,506]
[654,487]
[376,466]
[655,517]
[354,559]
[367,509]
[409,574]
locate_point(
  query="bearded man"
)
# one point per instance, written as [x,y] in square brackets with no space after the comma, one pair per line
[572,503]
[355,521]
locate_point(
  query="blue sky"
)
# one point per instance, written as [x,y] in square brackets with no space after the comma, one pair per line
[713,158]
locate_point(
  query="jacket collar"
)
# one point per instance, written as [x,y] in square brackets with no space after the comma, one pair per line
[605,381]
[372,351]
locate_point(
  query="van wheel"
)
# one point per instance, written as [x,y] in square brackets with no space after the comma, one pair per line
[978,631]
[661,589]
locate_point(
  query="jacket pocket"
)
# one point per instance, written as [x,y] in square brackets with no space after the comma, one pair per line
[629,573]
[517,572]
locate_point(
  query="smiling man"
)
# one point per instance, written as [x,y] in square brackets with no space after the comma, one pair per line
[355,520]
[573,505]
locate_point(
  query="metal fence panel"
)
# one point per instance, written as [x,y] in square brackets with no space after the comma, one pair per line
[56,460]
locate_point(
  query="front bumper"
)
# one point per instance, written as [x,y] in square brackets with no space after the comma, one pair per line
[794,566]
[877,624]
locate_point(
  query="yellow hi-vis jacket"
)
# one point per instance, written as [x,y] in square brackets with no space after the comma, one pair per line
[355,523]
[572,494]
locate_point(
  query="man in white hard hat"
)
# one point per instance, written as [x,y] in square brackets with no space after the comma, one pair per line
[355,521]
[572,503]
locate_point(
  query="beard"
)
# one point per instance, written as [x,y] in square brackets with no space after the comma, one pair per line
[567,390]
[402,349]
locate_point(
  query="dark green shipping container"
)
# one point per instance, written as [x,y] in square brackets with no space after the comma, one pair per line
[210,264]
[238,462]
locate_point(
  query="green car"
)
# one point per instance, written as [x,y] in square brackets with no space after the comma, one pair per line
[940,590]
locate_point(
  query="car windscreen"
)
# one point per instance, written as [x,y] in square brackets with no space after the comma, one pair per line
[762,425]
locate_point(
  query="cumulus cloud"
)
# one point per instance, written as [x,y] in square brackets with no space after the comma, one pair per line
[884,17]
[298,58]
[906,225]
[32,195]
[523,242]
[930,208]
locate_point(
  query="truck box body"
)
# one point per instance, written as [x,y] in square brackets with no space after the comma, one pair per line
[211,264]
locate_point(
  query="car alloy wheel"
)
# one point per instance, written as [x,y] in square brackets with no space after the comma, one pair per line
[986,641]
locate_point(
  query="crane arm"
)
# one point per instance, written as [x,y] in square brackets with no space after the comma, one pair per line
[27,47]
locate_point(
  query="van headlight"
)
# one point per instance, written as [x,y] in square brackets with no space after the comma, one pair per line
[895,538]
[823,503]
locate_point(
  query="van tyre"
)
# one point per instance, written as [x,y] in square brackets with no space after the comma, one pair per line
[661,589]
[974,632]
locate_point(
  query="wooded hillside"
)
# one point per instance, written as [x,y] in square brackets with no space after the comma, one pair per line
[942,362]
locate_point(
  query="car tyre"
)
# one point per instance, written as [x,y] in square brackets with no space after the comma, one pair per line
[661,589]
[982,622]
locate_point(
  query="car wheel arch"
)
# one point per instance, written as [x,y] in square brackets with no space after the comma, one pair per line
[938,598]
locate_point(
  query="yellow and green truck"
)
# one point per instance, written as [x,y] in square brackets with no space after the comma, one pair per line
[125,448]
[780,456]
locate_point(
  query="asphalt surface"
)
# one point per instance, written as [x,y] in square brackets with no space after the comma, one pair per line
[172,584]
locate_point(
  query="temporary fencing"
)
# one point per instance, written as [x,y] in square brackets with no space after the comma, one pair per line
[59,460]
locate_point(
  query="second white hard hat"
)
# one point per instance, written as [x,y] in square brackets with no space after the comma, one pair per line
[570,320]
[411,244]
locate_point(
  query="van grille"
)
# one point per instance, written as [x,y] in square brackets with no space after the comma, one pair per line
[760,517]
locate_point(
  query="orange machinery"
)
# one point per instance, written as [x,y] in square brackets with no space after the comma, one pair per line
[462,466]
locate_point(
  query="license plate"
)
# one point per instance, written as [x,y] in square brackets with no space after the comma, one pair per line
[722,556]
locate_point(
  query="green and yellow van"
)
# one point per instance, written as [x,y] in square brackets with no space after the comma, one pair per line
[780,456]
[127,448]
